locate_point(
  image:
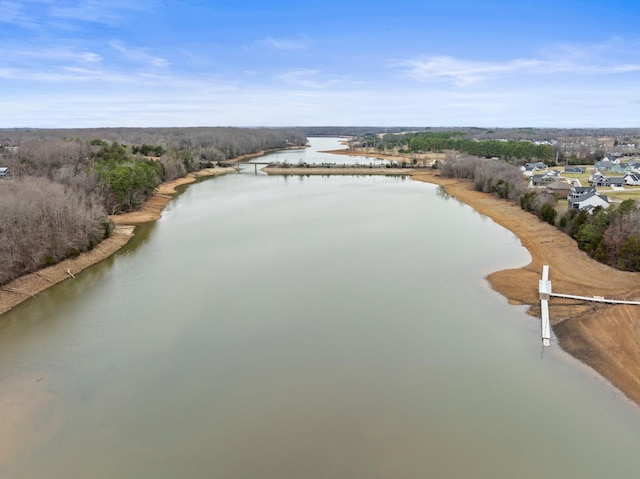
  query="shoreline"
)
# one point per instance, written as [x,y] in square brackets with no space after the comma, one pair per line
[29,285]
[604,337]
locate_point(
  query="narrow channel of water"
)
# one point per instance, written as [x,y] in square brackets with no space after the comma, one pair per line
[295,327]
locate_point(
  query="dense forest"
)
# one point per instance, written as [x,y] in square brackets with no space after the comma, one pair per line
[611,235]
[63,184]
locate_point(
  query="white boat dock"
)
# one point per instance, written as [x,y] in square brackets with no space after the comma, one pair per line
[546,292]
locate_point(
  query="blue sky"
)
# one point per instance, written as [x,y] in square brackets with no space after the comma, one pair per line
[91,63]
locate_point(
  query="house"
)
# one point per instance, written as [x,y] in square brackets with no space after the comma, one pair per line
[530,168]
[602,180]
[616,181]
[538,165]
[596,177]
[632,179]
[579,191]
[589,201]
[4,171]
[560,188]
[574,169]
[604,165]
[621,167]
[542,180]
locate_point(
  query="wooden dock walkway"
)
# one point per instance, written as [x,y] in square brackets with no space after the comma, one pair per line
[546,292]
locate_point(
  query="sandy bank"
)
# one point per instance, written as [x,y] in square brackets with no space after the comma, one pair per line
[605,337]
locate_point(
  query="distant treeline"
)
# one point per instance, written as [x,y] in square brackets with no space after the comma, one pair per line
[457,141]
[355,130]
[62,184]
[476,133]
[611,236]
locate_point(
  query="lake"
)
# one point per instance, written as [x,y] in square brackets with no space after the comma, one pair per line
[302,327]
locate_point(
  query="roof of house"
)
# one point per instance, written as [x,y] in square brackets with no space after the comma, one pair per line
[587,197]
[583,189]
[559,185]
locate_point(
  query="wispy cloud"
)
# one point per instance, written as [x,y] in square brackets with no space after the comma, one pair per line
[307,78]
[96,11]
[140,55]
[49,55]
[65,15]
[10,12]
[462,72]
[285,44]
[594,60]
[16,13]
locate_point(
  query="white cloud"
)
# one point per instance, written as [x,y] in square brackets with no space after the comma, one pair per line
[601,59]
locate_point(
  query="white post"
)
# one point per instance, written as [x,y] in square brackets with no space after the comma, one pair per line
[544,288]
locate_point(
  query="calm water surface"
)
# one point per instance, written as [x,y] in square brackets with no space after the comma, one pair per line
[320,327]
